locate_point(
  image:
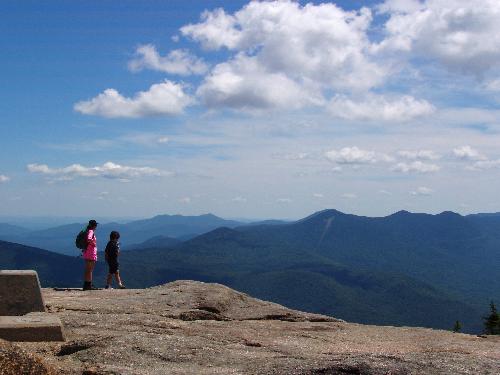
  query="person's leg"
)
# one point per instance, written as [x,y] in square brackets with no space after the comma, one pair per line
[109,280]
[91,269]
[118,278]
[87,275]
[89,266]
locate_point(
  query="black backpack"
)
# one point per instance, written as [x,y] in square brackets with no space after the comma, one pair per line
[81,240]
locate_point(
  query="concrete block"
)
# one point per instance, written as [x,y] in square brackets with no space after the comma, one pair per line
[20,293]
[33,327]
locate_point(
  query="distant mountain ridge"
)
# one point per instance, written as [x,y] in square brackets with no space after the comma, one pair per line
[61,239]
[9,229]
[448,249]
[154,242]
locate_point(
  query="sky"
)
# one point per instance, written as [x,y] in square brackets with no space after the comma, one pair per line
[263,109]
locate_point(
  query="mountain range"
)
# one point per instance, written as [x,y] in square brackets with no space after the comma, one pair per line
[402,269]
[61,239]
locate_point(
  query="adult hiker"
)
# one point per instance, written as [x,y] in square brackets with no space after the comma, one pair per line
[90,255]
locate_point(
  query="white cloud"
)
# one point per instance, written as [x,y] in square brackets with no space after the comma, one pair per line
[468,153]
[163,140]
[422,190]
[286,54]
[176,62]
[166,98]
[107,170]
[239,199]
[4,178]
[384,192]
[283,200]
[484,164]
[349,196]
[463,35]
[216,30]
[103,195]
[493,85]
[416,166]
[298,156]
[419,154]
[379,108]
[242,83]
[318,195]
[355,156]
[185,200]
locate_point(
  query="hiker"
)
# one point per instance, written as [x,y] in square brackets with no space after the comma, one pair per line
[111,253]
[90,255]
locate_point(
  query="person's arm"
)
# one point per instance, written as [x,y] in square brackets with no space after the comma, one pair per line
[91,240]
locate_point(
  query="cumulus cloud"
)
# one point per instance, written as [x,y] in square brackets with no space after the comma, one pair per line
[422,190]
[355,156]
[419,154]
[462,35]
[285,54]
[468,153]
[4,178]
[176,62]
[416,166]
[166,98]
[107,170]
[379,108]
[217,29]
[243,84]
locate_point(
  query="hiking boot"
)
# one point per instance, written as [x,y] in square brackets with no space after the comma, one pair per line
[122,286]
[108,287]
[87,285]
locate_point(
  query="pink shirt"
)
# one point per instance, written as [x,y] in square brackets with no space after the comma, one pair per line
[91,252]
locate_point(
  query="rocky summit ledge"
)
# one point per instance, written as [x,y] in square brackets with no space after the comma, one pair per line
[189,327]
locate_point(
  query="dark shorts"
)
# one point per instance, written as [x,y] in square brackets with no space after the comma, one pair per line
[113,267]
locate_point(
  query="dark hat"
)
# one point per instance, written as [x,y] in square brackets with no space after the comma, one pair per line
[93,223]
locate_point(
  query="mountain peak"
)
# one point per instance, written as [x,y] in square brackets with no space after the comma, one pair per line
[327,213]
[210,216]
[401,213]
[449,214]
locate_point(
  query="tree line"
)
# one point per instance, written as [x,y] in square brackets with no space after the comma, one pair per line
[491,322]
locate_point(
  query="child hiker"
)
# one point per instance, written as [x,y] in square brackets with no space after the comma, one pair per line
[111,254]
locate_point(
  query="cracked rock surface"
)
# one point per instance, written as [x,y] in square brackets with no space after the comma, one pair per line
[188,327]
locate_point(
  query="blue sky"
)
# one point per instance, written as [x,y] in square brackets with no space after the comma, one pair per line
[260,109]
